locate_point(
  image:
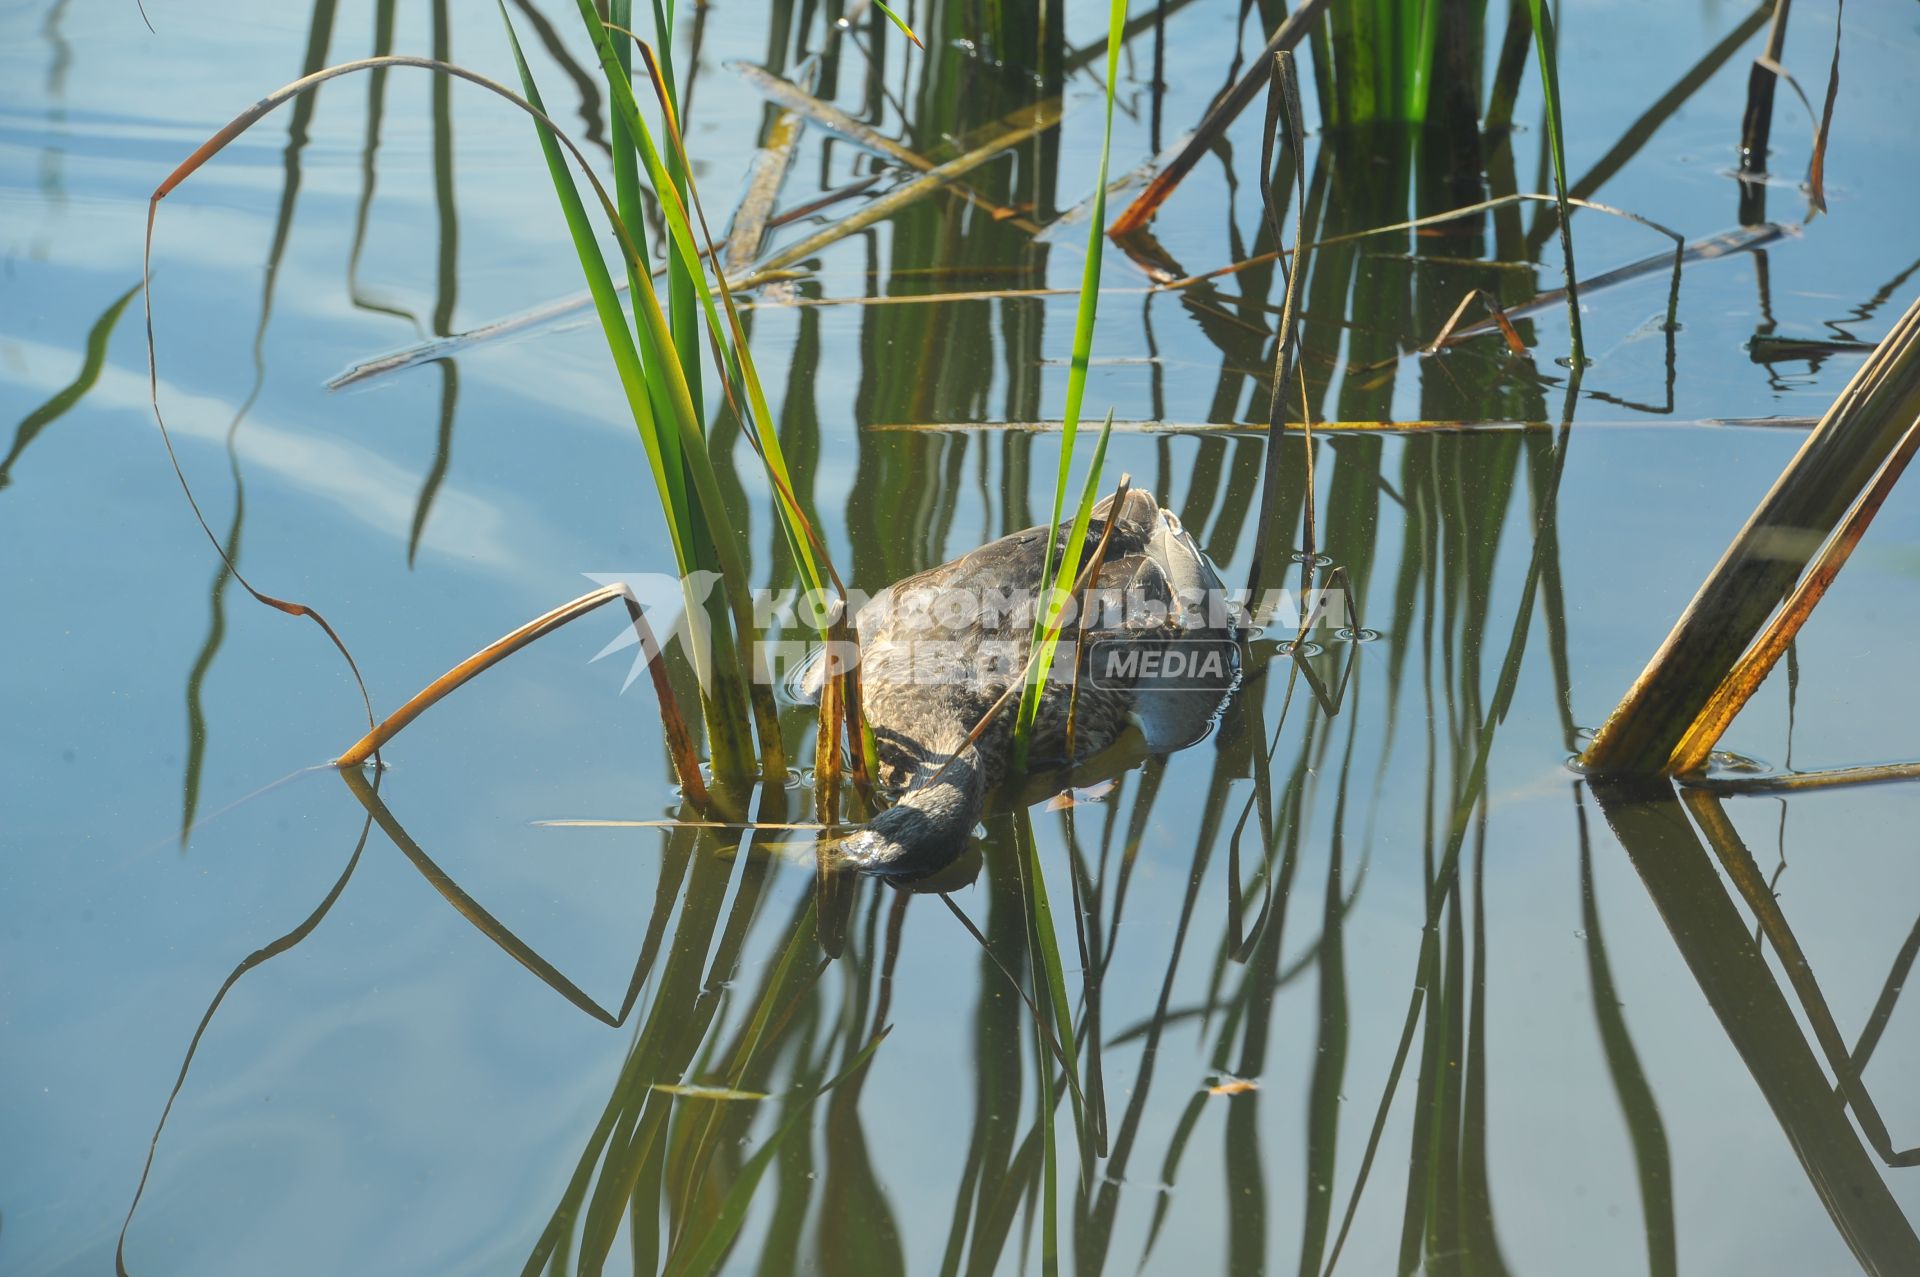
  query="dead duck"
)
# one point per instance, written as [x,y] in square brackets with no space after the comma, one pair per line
[939,648]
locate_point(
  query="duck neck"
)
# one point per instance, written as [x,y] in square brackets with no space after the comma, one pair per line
[928,826]
[948,789]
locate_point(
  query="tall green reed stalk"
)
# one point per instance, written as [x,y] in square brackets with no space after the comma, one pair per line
[1057,576]
[659,363]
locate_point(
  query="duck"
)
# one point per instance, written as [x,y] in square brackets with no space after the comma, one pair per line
[941,650]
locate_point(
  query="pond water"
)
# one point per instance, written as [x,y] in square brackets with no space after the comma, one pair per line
[1384,989]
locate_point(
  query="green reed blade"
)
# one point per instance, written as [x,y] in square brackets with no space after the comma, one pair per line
[613,319]
[1076,393]
[899,22]
[1543,43]
[681,307]
[679,199]
[1059,586]
[626,185]
[736,359]
[728,737]
[735,362]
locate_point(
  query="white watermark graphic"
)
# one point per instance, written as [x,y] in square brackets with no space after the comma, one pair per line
[948,634]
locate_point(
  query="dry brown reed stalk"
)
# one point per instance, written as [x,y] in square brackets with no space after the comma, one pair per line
[826,748]
[1744,679]
[1494,312]
[1756,125]
[1830,482]
[484,659]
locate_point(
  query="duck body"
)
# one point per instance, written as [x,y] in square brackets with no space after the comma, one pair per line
[940,648]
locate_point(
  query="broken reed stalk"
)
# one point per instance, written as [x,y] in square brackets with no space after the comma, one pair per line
[1744,679]
[679,735]
[484,659]
[1835,473]
[1494,311]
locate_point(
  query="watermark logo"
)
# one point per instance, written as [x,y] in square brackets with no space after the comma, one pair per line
[1203,663]
[952,635]
[673,607]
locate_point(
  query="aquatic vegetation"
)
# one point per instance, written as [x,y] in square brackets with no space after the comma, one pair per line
[1272,980]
